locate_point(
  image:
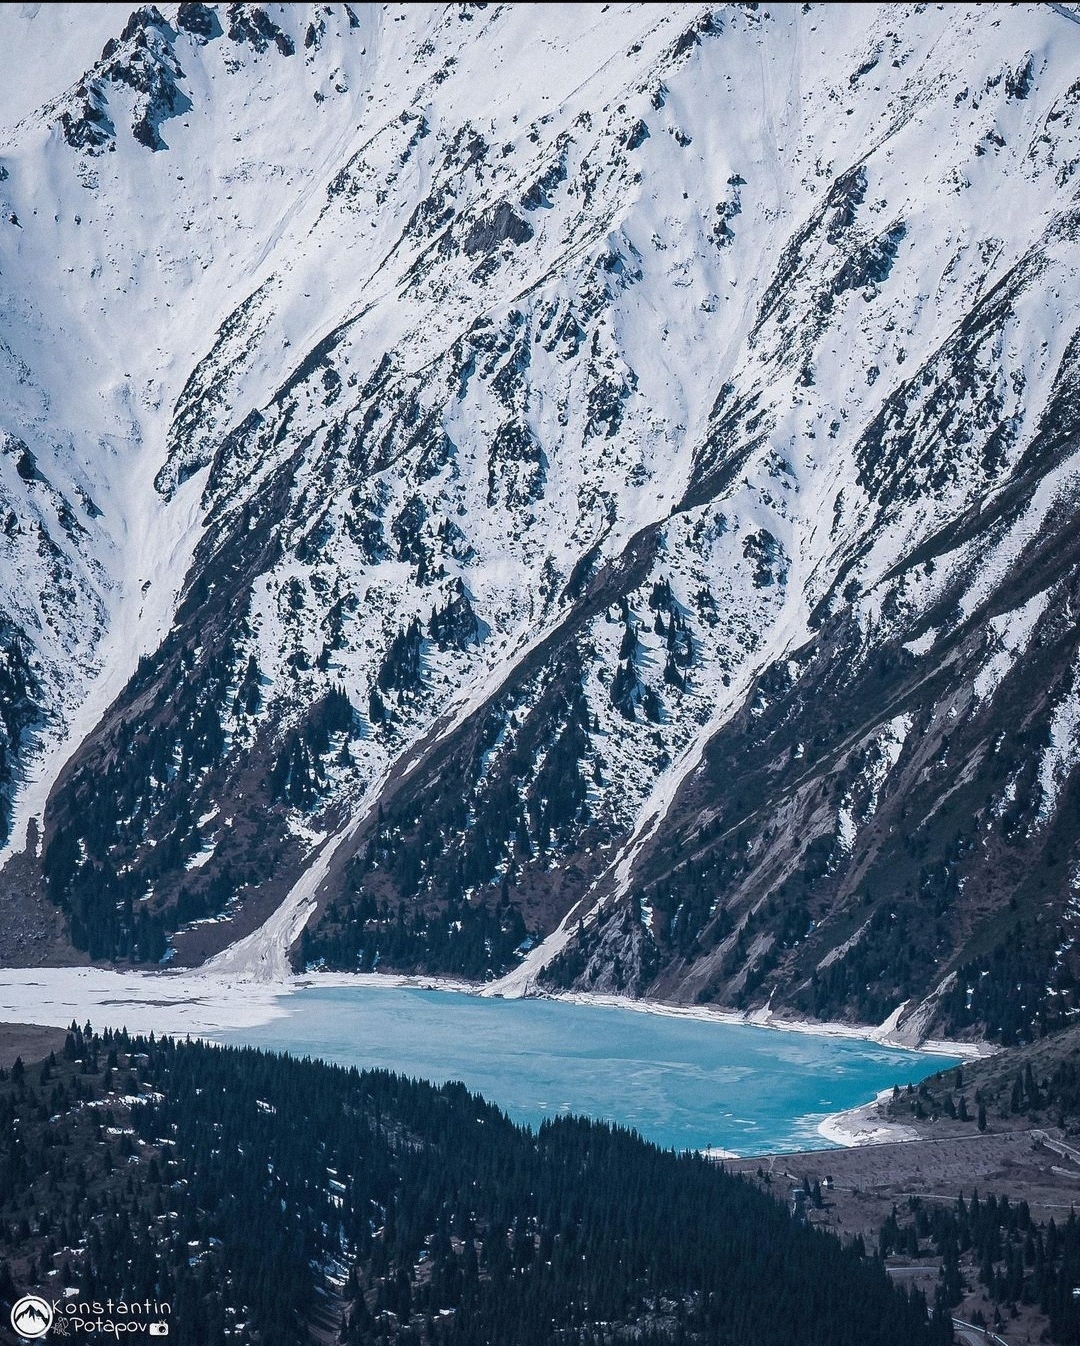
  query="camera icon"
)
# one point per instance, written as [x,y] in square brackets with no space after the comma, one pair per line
[160,1329]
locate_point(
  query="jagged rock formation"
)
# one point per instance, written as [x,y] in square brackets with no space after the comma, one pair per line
[610,493]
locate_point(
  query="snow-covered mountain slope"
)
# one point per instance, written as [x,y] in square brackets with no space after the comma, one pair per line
[610,469]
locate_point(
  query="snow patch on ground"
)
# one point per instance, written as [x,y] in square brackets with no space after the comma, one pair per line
[1063,752]
[923,644]
[860,802]
[1013,631]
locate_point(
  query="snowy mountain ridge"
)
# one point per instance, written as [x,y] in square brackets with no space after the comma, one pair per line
[609,467]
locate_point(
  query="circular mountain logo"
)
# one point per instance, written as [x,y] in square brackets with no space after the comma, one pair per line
[31,1316]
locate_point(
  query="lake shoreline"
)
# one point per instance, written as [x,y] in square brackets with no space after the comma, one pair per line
[864,1125]
[256,999]
[766,1019]
[201,1004]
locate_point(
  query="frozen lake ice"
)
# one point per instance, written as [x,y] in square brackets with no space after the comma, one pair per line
[682,1082]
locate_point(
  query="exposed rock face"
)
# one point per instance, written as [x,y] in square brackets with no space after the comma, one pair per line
[612,496]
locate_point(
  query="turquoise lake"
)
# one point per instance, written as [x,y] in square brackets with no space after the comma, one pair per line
[680,1082]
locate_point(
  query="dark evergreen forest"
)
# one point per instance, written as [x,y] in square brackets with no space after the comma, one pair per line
[1019,1261]
[277,1201]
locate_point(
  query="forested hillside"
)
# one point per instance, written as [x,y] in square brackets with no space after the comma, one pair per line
[1019,1260]
[276,1201]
